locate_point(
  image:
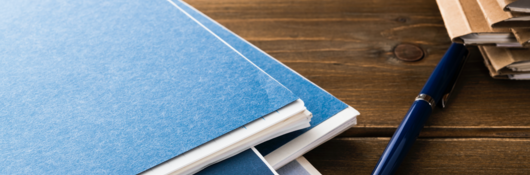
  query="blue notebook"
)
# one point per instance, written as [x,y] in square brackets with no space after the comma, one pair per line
[323,105]
[117,87]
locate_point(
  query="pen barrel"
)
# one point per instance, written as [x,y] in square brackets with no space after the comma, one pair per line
[439,83]
[446,72]
[403,138]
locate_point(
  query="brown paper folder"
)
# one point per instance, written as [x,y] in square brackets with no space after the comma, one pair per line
[466,24]
[522,35]
[503,59]
[496,17]
[504,3]
[493,73]
[498,60]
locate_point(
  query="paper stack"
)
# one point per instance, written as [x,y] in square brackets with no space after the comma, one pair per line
[500,28]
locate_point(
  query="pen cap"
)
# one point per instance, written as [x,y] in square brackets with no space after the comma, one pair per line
[444,75]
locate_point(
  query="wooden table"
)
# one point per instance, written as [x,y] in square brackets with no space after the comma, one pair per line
[346,47]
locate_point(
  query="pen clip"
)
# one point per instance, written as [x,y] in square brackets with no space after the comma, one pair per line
[450,89]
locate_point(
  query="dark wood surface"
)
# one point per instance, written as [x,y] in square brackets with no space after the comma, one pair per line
[351,155]
[346,47]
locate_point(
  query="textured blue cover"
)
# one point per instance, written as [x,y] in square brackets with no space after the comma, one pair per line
[322,104]
[246,162]
[117,87]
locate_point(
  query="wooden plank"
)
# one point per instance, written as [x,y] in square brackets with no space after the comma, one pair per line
[346,48]
[444,132]
[427,156]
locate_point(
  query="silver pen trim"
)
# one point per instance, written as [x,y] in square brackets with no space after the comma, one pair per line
[427,99]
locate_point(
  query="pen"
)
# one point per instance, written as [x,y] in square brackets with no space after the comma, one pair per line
[435,92]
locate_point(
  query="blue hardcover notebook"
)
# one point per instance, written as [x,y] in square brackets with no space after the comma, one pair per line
[117,87]
[323,105]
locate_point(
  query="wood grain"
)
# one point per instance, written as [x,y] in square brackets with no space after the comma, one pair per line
[427,156]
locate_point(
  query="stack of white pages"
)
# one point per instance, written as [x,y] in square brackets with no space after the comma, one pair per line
[289,118]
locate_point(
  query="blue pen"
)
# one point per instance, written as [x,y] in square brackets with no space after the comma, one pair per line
[435,91]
